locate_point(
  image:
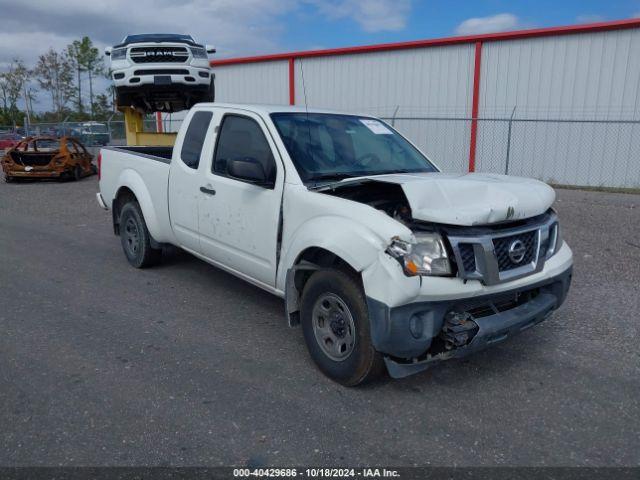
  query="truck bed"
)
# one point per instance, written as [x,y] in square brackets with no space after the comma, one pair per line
[144,170]
[162,152]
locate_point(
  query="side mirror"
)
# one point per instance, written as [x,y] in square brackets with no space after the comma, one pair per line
[107,51]
[248,169]
[210,48]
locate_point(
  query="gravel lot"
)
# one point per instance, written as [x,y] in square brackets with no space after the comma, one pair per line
[102,364]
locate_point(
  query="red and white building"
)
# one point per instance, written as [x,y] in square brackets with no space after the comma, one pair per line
[574,93]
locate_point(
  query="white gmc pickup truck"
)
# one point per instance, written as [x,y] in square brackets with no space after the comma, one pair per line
[384,260]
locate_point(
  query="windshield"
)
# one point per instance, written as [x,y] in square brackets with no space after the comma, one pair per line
[332,146]
[157,37]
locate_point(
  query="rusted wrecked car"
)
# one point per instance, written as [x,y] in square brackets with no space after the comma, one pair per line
[47,157]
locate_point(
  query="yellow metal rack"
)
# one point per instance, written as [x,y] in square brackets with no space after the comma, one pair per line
[136,136]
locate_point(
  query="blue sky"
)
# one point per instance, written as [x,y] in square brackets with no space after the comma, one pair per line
[431,19]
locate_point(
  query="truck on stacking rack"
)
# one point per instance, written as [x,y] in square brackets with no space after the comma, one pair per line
[161,72]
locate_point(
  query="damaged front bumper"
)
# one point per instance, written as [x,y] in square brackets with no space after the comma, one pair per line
[413,336]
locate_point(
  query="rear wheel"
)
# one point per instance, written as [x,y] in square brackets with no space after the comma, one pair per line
[211,94]
[124,99]
[77,173]
[8,179]
[135,237]
[335,323]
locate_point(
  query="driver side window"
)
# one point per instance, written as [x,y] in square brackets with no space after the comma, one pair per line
[240,138]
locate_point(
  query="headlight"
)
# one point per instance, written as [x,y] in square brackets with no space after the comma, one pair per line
[198,52]
[118,54]
[428,256]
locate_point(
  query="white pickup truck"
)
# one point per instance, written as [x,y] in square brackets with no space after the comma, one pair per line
[384,260]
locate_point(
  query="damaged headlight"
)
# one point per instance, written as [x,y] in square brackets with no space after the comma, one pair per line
[427,256]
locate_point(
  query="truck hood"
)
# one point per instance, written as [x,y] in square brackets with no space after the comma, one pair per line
[472,198]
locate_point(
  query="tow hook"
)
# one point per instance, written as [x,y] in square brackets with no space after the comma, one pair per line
[458,329]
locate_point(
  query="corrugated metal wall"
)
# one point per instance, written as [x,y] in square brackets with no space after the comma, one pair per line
[591,76]
[264,82]
[433,81]
[550,81]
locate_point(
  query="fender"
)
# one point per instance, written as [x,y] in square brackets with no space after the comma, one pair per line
[351,241]
[133,181]
[354,243]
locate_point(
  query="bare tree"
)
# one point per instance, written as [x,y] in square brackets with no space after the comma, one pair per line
[13,85]
[4,91]
[55,75]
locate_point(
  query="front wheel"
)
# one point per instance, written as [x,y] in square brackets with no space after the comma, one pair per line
[335,324]
[135,237]
[211,93]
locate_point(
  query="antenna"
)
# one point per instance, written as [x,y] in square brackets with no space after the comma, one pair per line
[306,109]
[304,88]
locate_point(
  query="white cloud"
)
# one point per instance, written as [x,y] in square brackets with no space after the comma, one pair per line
[495,23]
[28,45]
[236,28]
[371,15]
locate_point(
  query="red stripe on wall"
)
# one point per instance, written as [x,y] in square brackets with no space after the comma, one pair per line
[159,122]
[488,37]
[292,82]
[475,101]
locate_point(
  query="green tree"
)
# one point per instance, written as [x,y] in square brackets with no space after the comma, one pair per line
[90,61]
[54,74]
[77,53]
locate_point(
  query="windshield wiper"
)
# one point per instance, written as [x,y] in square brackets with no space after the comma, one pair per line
[399,170]
[331,176]
[325,179]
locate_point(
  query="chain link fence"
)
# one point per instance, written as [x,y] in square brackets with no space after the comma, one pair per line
[575,152]
[91,134]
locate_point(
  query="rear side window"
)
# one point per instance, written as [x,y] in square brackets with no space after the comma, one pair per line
[194,138]
[239,138]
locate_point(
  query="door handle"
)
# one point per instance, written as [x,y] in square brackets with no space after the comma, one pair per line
[208,191]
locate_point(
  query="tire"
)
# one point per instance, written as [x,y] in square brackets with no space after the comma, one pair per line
[135,237]
[211,94]
[77,173]
[124,99]
[335,324]
[8,179]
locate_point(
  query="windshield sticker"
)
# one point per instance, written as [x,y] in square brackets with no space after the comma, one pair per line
[376,127]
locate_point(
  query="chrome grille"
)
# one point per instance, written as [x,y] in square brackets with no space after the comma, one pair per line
[486,257]
[501,246]
[159,54]
[468,257]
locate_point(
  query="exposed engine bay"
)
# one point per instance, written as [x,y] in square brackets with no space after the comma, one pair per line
[384,196]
